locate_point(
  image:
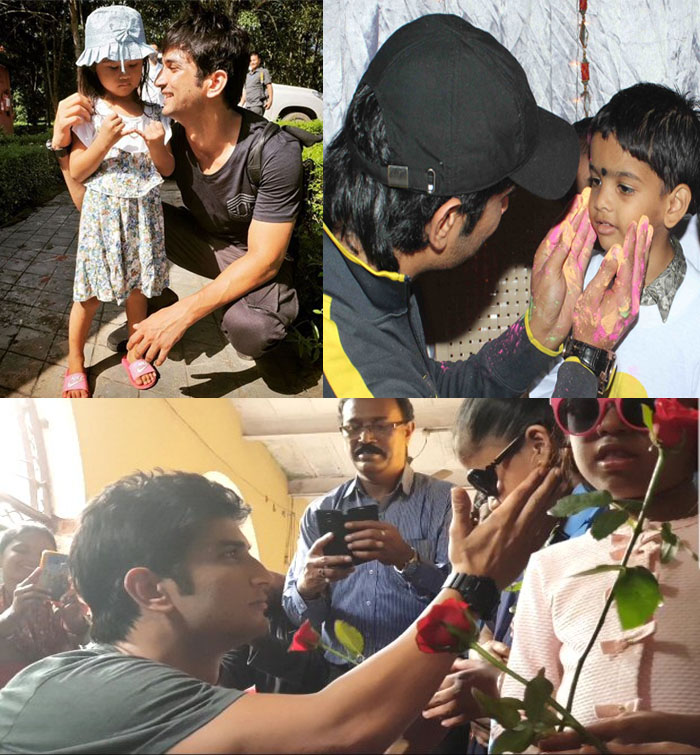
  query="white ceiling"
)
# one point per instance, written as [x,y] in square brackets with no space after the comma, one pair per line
[302,435]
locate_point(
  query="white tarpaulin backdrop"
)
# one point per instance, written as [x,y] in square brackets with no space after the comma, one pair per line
[628,42]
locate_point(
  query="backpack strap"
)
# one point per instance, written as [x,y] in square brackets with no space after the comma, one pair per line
[253,166]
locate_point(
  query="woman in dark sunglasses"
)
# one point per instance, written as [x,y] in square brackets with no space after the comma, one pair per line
[655,667]
[500,441]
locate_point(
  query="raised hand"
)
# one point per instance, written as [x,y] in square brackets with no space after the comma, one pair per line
[500,547]
[153,134]
[320,570]
[111,130]
[73,110]
[371,540]
[557,274]
[603,314]
[29,593]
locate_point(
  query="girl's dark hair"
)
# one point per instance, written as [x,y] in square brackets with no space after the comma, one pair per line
[660,127]
[214,43]
[11,534]
[482,418]
[148,520]
[89,84]
[382,218]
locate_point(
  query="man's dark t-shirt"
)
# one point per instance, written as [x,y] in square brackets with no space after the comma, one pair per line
[216,200]
[98,700]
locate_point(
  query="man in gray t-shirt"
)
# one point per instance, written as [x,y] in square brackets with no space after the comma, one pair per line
[242,249]
[257,93]
[118,703]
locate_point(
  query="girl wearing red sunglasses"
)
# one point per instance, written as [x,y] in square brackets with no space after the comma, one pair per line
[655,667]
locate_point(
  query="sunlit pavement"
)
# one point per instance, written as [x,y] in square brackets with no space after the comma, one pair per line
[37,260]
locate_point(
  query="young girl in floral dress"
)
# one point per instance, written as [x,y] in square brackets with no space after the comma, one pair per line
[120,156]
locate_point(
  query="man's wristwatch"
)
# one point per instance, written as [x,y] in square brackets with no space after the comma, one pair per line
[599,361]
[60,151]
[480,593]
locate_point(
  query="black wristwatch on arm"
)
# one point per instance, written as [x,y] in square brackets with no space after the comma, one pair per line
[599,361]
[59,151]
[480,593]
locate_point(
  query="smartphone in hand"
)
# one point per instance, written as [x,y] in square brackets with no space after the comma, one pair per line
[54,575]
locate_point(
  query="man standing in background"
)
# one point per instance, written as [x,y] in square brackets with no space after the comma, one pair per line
[257,93]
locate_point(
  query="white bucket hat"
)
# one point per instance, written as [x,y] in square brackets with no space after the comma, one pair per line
[114,33]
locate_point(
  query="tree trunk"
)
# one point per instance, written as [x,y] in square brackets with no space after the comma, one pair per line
[75,27]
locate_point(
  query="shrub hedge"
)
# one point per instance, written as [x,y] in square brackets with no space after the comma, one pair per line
[308,273]
[28,175]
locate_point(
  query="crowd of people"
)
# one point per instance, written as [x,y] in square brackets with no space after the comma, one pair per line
[171,625]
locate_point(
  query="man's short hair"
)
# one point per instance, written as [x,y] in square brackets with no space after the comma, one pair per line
[214,43]
[405,406]
[660,127]
[380,217]
[144,520]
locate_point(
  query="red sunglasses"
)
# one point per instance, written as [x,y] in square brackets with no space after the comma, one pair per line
[581,416]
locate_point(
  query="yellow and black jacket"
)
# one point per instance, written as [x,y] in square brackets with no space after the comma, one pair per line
[374,345]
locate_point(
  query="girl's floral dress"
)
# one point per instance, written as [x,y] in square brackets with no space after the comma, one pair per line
[121,245]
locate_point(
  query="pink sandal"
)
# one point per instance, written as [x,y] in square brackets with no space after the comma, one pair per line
[76,381]
[139,368]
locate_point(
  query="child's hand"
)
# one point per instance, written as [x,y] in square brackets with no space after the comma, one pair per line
[603,314]
[111,130]
[153,134]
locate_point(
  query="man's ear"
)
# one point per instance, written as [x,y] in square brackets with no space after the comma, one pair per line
[677,204]
[147,590]
[216,83]
[441,224]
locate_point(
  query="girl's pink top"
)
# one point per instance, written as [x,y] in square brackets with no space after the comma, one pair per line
[653,667]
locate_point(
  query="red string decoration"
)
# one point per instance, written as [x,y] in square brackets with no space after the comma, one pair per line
[585,70]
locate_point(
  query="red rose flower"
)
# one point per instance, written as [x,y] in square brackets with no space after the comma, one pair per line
[674,420]
[305,638]
[434,634]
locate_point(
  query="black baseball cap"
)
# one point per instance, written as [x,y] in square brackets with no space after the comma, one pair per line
[460,115]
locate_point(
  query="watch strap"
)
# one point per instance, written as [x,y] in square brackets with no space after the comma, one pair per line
[60,152]
[480,593]
[599,361]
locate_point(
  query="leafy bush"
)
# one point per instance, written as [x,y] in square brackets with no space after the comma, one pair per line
[25,138]
[28,174]
[308,273]
[315,127]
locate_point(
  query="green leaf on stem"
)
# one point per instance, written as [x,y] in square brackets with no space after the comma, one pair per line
[607,522]
[630,506]
[537,692]
[549,717]
[515,587]
[648,417]
[506,715]
[572,504]
[349,637]
[670,543]
[516,740]
[599,570]
[637,596]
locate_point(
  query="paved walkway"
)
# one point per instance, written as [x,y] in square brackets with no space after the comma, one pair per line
[37,260]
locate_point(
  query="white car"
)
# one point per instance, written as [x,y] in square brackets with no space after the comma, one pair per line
[295,104]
